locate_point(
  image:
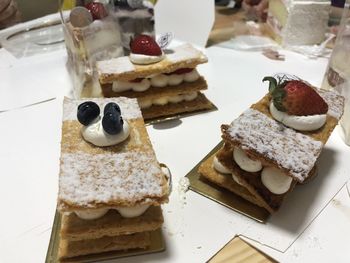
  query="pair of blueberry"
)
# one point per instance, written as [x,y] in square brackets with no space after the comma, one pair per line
[112,121]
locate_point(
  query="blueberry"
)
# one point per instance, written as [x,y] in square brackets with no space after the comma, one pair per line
[87,112]
[111,107]
[112,122]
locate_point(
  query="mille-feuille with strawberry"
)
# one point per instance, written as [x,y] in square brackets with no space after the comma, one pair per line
[274,145]
[165,82]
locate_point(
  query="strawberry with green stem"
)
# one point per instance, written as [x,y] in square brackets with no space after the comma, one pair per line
[295,97]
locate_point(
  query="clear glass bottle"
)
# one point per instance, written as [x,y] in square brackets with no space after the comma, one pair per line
[91,34]
[338,71]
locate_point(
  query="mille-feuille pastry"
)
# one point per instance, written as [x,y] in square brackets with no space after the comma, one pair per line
[111,185]
[164,82]
[274,145]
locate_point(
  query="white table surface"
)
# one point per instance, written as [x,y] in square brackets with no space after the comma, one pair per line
[195,228]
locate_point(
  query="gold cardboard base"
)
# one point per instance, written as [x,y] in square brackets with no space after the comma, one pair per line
[238,248]
[157,245]
[223,196]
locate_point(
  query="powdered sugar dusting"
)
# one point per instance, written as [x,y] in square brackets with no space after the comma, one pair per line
[88,179]
[185,52]
[291,150]
[183,185]
[335,102]
[115,66]
[129,107]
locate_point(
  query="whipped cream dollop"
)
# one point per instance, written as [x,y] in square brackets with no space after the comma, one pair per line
[95,134]
[120,86]
[191,76]
[219,167]
[129,212]
[160,80]
[126,212]
[275,180]
[300,123]
[145,59]
[246,163]
[91,214]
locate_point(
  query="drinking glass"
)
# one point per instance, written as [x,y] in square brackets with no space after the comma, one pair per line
[338,71]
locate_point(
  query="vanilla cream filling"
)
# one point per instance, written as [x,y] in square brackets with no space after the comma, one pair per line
[219,167]
[244,162]
[275,180]
[126,212]
[159,80]
[95,134]
[272,178]
[175,79]
[175,99]
[236,179]
[129,212]
[300,123]
[145,59]
[191,76]
[146,103]
[91,214]
[224,170]
[120,86]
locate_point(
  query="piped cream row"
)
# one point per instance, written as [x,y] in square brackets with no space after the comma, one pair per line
[126,212]
[163,100]
[219,167]
[272,178]
[159,80]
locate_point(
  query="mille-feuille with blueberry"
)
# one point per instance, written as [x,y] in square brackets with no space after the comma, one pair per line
[165,82]
[111,185]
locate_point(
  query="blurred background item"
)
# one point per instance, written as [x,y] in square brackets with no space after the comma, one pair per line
[256,9]
[337,75]
[9,13]
[91,33]
[38,8]
[189,21]
[336,12]
[296,23]
[135,17]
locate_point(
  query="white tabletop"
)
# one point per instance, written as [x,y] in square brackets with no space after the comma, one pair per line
[195,228]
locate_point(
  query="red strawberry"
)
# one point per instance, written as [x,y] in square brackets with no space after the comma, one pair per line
[182,71]
[97,10]
[145,45]
[296,97]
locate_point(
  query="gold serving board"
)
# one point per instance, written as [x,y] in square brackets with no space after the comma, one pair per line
[237,250]
[157,245]
[223,196]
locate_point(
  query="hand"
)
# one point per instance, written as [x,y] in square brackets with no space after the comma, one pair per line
[9,14]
